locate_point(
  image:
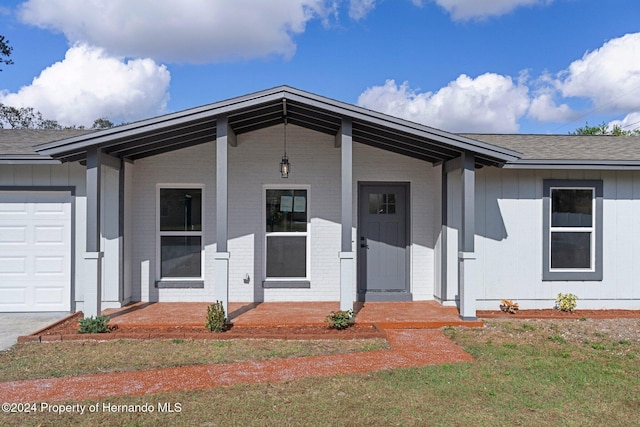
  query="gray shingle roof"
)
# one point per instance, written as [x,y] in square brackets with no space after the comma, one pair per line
[567,147]
[535,149]
[20,142]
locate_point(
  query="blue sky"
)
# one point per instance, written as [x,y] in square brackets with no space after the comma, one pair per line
[505,66]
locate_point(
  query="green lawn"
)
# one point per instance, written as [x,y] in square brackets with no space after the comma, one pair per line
[72,358]
[567,373]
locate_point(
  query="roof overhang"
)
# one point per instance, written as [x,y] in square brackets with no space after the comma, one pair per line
[27,159]
[268,108]
[574,164]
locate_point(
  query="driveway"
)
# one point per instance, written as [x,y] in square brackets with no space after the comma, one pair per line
[13,325]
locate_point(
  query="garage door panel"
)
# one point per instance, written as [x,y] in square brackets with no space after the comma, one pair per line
[48,296]
[8,208]
[13,296]
[12,266]
[49,235]
[13,235]
[49,266]
[48,209]
[35,251]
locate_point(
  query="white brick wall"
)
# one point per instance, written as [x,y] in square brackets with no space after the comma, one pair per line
[195,165]
[254,164]
[372,164]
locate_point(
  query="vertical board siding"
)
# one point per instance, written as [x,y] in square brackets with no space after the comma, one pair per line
[66,175]
[509,240]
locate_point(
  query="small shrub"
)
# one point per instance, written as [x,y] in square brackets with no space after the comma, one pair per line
[340,319]
[566,302]
[557,339]
[94,325]
[509,306]
[216,318]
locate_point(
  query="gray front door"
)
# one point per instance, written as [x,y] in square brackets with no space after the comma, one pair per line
[382,242]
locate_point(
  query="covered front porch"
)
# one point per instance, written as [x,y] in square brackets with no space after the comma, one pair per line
[383,315]
[113,276]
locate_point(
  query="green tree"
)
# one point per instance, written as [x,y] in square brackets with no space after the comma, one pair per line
[603,129]
[102,123]
[28,118]
[5,51]
[24,118]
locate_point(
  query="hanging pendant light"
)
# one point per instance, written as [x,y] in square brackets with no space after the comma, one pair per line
[285,166]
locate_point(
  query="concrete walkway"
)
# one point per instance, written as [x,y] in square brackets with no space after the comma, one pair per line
[409,348]
[14,325]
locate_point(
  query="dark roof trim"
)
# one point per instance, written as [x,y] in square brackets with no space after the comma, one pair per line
[23,159]
[260,109]
[397,124]
[575,164]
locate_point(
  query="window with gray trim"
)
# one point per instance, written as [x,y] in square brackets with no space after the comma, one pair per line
[180,233]
[286,233]
[572,230]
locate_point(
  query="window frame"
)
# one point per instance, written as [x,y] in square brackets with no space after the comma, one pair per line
[286,282]
[159,234]
[594,272]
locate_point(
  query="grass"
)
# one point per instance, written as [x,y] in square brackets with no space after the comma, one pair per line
[520,377]
[59,359]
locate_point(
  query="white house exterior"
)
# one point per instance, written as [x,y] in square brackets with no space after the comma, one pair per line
[192,206]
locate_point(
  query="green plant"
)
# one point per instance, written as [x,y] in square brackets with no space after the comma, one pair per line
[566,302]
[340,319]
[509,306]
[216,318]
[94,325]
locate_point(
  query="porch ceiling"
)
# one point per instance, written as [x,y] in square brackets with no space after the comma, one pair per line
[268,108]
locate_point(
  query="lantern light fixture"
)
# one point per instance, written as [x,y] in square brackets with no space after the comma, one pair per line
[285,166]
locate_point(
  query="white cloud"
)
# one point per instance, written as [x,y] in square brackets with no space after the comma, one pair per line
[88,84]
[358,9]
[195,31]
[544,109]
[630,122]
[609,76]
[488,103]
[462,10]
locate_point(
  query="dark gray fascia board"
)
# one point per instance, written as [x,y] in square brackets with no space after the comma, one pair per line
[132,129]
[274,95]
[27,159]
[575,164]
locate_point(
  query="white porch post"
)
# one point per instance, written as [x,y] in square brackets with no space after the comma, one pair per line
[347,262]
[221,258]
[93,255]
[466,254]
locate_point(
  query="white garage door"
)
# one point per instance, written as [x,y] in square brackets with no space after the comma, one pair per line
[35,251]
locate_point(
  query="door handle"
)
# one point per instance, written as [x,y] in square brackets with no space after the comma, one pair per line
[364,245]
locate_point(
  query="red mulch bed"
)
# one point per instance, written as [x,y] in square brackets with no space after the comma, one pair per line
[67,330]
[557,314]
